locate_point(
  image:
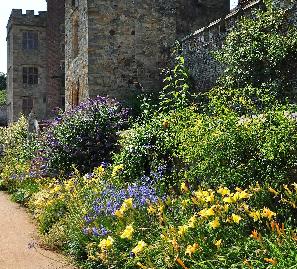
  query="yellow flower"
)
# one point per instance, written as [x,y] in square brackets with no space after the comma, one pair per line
[192,222]
[99,170]
[215,223]
[267,213]
[151,210]
[128,232]
[119,213]
[185,202]
[117,169]
[236,218]
[191,249]
[228,200]
[182,230]
[204,196]
[56,188]
[139,248]
[273,191]
[184,187]
[165,123]
[270,260]
[218,243]
[206,212]
[256,215]
[69,185]
[129,202]
[223,191]
[106,243]
[239,195]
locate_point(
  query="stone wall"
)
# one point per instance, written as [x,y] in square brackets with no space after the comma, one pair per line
[3,115]
[55,55]
[127,45]
[193,14]
[19,58]
[197,48]
[124,45]
[76,66]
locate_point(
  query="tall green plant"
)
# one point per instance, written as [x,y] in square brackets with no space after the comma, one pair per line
[260,56]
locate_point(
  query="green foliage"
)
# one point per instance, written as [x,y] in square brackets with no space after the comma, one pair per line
[83,137]
[239,150]
[3,97]
[175,94]
[263,69]
[2,81]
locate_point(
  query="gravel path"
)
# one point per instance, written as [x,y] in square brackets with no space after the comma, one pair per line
[17,234]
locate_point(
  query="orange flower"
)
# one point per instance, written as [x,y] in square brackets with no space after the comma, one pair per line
[181,263]
[255,235]
[270,260]
[267,213]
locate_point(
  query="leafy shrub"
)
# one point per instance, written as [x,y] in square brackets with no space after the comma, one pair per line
[235,150]
[3,97]
[15,159]
[83,137]
[263,70]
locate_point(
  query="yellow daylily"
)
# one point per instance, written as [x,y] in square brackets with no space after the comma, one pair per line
[128,232]
[215,223]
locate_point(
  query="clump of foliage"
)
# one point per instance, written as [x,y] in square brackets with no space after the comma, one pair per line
[83,137]
[133,227]
[2,81]
[17,152]
[3,97]
[263,70]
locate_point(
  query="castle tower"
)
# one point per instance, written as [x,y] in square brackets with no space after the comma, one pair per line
[118,48]
[56,55]
[26,64]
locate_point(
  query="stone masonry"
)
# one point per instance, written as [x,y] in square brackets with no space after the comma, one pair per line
[23,55]
[198,47]
[118,48]
[35,67]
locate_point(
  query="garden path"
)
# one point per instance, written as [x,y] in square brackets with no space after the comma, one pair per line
[18,247]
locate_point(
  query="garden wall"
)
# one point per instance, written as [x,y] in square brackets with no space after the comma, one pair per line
[3,115]
[197,48]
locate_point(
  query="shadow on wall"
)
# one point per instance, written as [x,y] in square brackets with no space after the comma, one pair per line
[3,115]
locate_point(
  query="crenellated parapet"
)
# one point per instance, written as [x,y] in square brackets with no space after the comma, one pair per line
[17,17]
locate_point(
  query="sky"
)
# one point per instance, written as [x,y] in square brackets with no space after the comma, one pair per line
[5,10]
[37,5]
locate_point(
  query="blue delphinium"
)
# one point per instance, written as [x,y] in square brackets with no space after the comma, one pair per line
[112,198]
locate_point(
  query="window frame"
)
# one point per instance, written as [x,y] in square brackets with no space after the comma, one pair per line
[30,40]
[30,75]
[27,105]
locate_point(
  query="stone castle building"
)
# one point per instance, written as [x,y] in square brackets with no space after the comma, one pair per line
[35,61]
[114,48]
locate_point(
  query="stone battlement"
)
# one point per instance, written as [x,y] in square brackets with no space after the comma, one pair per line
[222,25]
[29,18]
